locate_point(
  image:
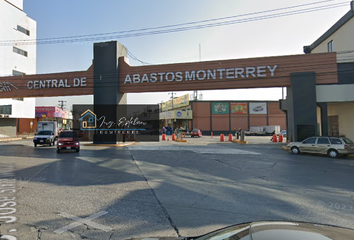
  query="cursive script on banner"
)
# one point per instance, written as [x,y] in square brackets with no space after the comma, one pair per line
[122,122]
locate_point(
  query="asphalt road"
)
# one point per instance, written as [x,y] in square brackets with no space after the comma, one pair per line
[166,189]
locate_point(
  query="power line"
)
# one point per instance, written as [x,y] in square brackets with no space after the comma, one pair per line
[179,27]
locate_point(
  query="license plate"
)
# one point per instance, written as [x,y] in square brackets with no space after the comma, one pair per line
[68,147]
[40,140]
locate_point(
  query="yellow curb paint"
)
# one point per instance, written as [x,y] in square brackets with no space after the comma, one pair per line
[240,142]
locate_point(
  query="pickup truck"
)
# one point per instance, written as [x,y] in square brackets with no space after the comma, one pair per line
[44,137]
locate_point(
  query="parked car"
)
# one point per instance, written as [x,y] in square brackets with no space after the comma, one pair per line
[274,230]
[331,146]
[196,132]
[283,133]
[44,137]
[68,140]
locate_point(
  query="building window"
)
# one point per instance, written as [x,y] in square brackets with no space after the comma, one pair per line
[17,73]
[18,99]
[20,51]
[23,30]
[330,46]
[6,109]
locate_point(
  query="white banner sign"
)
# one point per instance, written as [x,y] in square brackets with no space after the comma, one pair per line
[258,108]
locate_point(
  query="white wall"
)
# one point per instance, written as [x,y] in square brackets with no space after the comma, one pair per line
[17,3]
[342,41]
[21,109]
[335,93]
[10,17]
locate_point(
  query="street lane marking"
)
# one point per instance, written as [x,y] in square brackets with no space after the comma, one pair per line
[82,221]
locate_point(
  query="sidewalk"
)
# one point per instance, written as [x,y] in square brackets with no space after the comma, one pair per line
[15,138]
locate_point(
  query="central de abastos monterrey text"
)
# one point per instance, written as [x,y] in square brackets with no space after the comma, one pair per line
[214,74]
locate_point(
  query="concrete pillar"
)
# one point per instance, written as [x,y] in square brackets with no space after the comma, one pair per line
[301,107]
[106,85]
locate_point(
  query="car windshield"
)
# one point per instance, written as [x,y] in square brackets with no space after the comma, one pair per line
[309,141]
[68,134]
[45,133]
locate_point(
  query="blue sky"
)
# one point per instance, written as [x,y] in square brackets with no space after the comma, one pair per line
[270,37]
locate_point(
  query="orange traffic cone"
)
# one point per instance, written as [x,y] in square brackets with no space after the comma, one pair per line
[168,139]
[173,137]
[163,137]
[280,138]
[222,138]
[274,138]
[212,134]
[230,137]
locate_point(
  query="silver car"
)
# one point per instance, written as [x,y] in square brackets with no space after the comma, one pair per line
[331,146]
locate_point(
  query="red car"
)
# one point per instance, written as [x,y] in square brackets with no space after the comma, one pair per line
[196,132]
[68,140]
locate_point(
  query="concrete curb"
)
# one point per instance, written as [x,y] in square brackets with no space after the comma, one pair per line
[109,145]
[240,142]
[15,138]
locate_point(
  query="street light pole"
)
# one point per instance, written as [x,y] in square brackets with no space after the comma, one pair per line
[172,96]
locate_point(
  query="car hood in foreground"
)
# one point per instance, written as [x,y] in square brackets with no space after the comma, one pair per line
[293,230]
[273,230]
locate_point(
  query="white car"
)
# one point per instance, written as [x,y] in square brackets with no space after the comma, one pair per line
[331,146]
[44,137]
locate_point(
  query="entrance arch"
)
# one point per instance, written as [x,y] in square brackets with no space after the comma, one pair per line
[110,78]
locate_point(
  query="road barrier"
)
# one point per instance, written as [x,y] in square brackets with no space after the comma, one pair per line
[230,137]
[222,138]
[212,134]
[163,137]
[275,138]
[280,138]
[173,137]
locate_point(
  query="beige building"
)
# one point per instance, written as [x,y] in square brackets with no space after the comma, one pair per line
[337,101]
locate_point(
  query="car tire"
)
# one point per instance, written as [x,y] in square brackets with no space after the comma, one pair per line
[58,150]
[35,145]
[332,153]
[77,149]
[295,150]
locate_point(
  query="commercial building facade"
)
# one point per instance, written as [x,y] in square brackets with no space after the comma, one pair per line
[334,103]
[16,59]
[227,116]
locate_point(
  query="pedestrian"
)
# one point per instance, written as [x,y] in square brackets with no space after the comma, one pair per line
[238,133]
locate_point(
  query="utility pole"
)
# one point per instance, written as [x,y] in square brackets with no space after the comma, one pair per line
[200,59]
[172,96]
[62,104]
